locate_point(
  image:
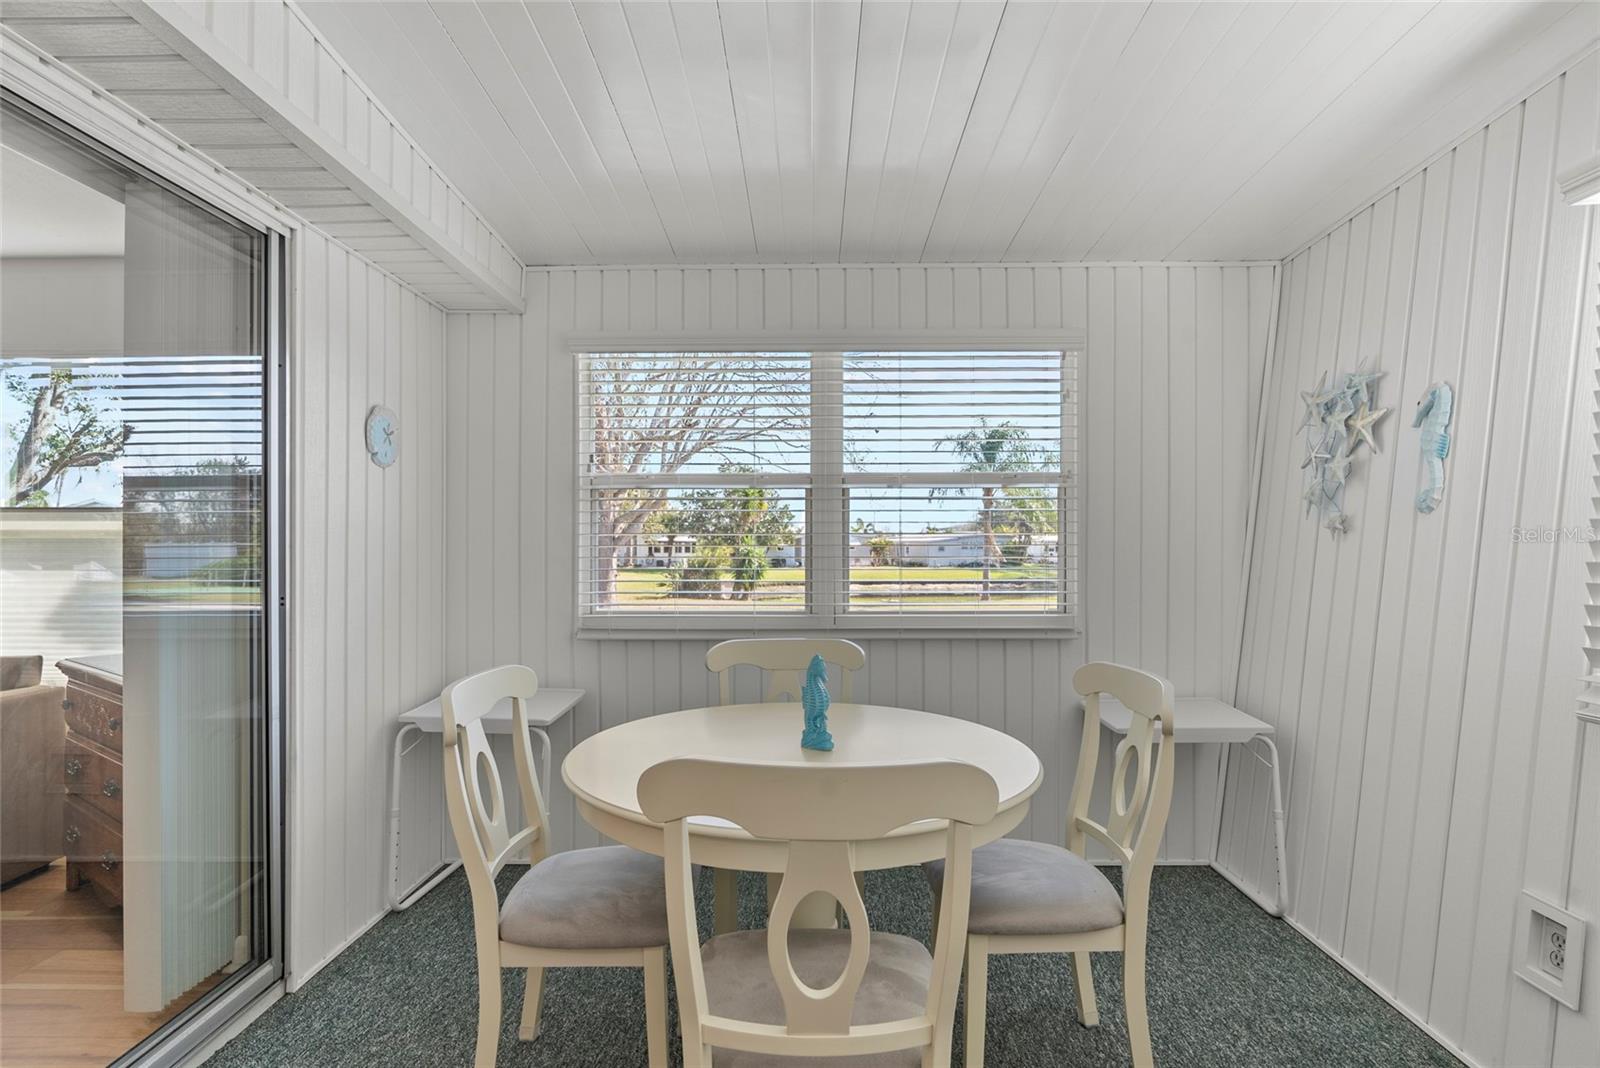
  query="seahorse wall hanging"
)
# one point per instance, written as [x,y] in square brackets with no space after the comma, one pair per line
[1433,416]
[1339,417]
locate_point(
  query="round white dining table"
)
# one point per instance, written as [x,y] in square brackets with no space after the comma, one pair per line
[603,773]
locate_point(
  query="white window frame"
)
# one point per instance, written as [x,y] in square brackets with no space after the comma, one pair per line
[827,481]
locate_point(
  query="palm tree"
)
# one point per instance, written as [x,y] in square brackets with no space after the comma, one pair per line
[1002,446]
[749,556]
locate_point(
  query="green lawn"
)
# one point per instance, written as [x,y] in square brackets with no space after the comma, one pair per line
[188,591]
[927,585]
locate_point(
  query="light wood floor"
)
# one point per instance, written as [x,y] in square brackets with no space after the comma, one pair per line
[61,978]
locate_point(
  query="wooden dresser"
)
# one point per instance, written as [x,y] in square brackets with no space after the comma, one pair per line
[92,772]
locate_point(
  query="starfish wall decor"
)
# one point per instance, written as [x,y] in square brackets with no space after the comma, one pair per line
[1338,418]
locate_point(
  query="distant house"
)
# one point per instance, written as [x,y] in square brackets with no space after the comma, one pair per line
[790,555]
[963,548]
[167,560]
[655,550]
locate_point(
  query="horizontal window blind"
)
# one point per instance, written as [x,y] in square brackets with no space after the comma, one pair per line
[1589,696]
[954,476]
[861,488]
[695,472]
[185,480]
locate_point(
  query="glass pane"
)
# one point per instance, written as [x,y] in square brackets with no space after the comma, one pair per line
[721,549]
[922,412]
[694,413]
[955,549]
[131,579]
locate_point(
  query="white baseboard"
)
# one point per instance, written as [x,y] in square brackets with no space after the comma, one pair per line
[297,979]
[1432,1032]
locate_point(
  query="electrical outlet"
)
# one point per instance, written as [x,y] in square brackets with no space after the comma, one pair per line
[1552,954]
[1553,946]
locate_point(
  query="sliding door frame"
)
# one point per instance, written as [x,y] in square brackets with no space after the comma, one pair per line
[107,127]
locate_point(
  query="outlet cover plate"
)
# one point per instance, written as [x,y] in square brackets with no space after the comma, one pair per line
[1538,951]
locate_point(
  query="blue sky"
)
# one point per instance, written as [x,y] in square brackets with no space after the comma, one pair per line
[183,411]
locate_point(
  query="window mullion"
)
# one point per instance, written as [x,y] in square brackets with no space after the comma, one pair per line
[825,543]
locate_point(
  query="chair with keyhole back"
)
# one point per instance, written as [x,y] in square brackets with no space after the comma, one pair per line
[783,663]
[600,907]
[848,998]
[1032,897]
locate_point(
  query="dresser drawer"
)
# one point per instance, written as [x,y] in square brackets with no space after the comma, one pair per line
[93,845]
[94,715]
[94,775]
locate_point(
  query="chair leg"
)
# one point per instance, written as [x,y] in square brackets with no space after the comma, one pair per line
[977,997]
[532,1004]
[725,901]
[489,1009]
[655,1005]
[1083,980]
[1138,1017]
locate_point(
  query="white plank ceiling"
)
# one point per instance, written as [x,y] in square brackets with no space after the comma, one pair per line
[694,131]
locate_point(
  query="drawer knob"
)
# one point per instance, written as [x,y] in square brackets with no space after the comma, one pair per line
[111,788]
[73,834]
[115,723]
[108,860]
[74,767]
[66,703]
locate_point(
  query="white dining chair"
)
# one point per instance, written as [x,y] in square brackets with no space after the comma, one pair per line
[758,997]
[1032,897]
[602,907]
[783,663]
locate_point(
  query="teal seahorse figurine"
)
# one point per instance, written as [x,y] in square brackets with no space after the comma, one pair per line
[814,699]
[1433,416]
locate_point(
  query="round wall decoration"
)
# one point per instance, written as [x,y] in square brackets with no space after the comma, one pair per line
[383,435]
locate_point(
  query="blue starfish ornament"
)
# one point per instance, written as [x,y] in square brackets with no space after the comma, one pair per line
[1338,418]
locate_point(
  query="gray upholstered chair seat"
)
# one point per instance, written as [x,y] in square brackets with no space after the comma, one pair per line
[1034,888]
[611,897]
[739,984]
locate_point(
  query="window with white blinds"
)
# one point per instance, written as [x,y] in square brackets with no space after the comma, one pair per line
[858,489]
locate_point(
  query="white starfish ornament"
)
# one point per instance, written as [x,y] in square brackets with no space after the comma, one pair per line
[1361,424]
[1361,381]
[1313,400]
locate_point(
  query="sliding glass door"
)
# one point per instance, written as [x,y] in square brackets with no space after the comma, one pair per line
[137,347]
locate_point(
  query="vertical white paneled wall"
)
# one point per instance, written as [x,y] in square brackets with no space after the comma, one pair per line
[1422,670]
[1175,357]
[367,590]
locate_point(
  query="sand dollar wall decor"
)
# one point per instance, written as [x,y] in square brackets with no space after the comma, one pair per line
[1339,418]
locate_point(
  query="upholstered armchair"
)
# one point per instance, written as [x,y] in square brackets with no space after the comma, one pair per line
[32,738]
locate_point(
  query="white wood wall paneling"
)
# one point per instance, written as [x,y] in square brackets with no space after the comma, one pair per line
[254,89]
[843,132]
[1416,669]
[1174,340]
[368,585]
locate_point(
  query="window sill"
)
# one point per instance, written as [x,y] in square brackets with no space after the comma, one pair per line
[946,628]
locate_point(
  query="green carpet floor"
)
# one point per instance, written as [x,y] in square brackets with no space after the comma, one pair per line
[1229,986]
